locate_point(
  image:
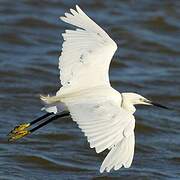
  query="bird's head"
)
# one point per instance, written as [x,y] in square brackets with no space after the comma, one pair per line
[134,99]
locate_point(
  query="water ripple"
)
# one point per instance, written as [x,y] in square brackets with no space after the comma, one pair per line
[146,62]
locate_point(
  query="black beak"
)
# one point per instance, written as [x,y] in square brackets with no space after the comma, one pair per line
[156,104]
[159,105]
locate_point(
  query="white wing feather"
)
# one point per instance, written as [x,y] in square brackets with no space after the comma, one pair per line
[84,65]
[86,54]
[107,126]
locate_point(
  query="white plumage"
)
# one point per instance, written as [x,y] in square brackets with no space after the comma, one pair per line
[86,54]
[103,114]
[107,126]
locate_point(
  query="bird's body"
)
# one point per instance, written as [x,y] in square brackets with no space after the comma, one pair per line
[104,118]
[103,114]
[105,93]
[84,62]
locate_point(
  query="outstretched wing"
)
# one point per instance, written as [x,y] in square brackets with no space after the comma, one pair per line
[107,126]
[86,53]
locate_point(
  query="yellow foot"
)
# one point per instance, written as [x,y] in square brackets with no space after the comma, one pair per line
[19,132]
[18,135]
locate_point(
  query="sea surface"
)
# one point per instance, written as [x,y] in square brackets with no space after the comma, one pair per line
[147,62]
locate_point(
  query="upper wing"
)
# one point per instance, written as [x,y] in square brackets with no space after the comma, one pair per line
[86,53]
[107,126]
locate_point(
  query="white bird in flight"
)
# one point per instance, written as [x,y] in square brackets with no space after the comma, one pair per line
[102,113]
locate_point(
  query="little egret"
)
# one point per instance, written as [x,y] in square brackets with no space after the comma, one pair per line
[102,113]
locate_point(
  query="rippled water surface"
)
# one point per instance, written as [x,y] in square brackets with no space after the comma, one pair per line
[147,61]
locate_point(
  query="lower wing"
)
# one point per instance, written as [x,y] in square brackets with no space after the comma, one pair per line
[107,126]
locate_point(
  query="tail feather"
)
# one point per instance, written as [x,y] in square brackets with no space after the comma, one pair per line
[49,99]
[53,104]
[120,155]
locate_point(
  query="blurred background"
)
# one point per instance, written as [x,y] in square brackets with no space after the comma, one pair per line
[147,61]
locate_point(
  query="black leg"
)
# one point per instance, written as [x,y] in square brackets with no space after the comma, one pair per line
[40,118]
[49,120]
[21,130]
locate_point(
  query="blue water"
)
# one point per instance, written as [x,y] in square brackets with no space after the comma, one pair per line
[147,62]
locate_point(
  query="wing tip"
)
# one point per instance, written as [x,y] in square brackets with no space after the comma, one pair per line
[62,18]
[107,169]
[73,12]
[77,7]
